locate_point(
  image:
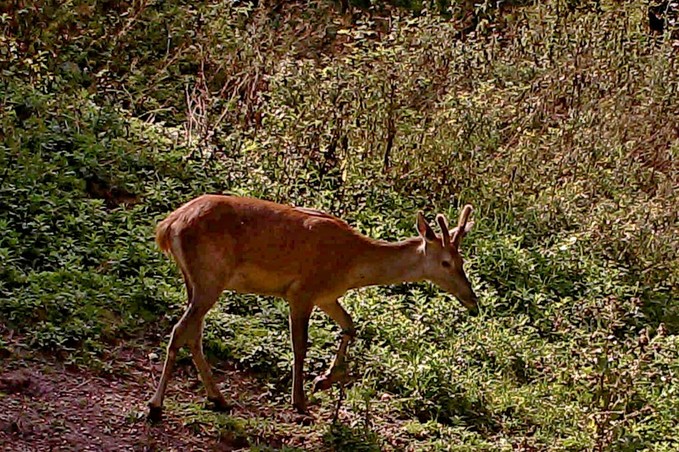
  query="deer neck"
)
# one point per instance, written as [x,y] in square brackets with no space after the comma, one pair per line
[383,263]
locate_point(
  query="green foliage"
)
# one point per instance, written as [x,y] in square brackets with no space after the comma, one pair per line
[555,119]
[342,437]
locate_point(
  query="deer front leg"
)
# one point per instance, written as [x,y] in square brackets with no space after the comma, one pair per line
[299,332]
[338,371]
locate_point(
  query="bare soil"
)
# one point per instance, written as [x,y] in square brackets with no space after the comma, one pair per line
[46,405]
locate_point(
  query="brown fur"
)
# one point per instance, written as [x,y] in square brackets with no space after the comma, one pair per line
[163,233]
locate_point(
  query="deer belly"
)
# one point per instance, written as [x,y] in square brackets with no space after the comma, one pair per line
[256,280]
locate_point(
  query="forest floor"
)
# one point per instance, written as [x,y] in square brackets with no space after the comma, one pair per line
[47,405]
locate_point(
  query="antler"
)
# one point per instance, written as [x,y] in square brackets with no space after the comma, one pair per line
[443,224]
[461,224]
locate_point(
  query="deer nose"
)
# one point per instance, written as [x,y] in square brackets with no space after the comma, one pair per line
[473,307]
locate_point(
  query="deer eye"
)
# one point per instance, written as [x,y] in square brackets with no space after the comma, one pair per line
[446,264]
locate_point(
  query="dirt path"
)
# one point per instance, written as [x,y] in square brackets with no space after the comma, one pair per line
[45,406]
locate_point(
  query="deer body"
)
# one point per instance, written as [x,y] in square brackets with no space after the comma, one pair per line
[303,255]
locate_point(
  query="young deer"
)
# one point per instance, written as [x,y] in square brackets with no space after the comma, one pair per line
[306,256]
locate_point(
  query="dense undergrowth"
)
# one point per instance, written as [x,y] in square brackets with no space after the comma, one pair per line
[556,120]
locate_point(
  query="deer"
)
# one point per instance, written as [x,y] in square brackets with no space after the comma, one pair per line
[308,257]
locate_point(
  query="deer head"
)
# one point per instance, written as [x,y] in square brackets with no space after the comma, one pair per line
[443,262]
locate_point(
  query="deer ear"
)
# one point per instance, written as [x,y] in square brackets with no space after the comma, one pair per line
[461,235]
[423,229]
[468,227]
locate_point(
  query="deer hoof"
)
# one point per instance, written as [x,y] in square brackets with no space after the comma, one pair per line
[300,407]
[323,382]
[155,414]
[303,416]
[219,404]
[304,419]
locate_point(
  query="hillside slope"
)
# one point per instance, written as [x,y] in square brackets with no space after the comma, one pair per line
[556,120]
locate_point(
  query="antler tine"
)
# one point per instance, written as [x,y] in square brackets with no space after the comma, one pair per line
[443,224]
[462,222]
[464,216]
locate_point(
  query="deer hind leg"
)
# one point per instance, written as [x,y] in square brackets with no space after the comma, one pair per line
[338,370]
[300,313]
[188,331]
[213,393]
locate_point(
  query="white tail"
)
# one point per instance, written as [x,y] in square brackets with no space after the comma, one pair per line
[303,255]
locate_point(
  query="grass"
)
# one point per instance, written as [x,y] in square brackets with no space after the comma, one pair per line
[556,120]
